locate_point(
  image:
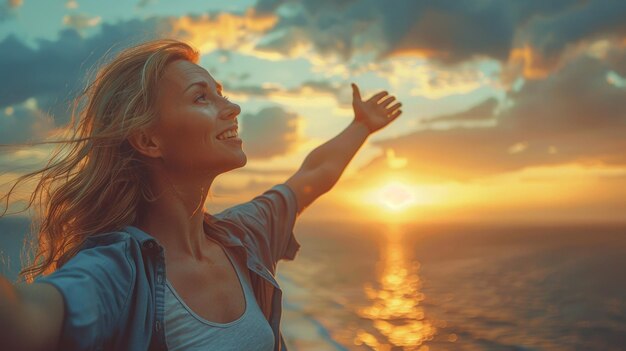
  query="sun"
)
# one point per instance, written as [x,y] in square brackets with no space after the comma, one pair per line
[395,196]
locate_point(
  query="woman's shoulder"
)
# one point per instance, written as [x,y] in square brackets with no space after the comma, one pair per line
[103,253]
[104,247]
[277,200]
[129,237]
[113,257]
[109,244]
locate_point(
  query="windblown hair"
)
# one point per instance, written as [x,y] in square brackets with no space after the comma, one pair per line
[95,181]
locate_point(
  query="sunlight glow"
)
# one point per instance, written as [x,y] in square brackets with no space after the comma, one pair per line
[395,301]
[396,196]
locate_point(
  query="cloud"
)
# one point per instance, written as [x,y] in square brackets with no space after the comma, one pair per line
[308,90]
[222,31]
[586,21]
[254,90]
[24,122]
[448,32]
[426,79]
[269,133]
[56,70]
[330,29]
[71,4]
[81,21]
[573,116]
[480,112]
[616,59]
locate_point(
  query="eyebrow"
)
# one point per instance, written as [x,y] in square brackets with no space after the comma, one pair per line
[205,85]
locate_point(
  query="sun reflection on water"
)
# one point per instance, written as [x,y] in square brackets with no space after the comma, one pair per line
[395,311]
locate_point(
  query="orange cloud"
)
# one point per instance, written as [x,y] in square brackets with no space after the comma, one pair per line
[222,31]
[574,115]
[534,65]
[419,52]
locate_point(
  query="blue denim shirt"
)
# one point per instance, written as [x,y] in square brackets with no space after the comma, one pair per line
[114,288]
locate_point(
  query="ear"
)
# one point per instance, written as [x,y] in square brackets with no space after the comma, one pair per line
[146,143]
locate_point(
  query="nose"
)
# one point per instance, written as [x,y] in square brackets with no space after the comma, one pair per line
[232,110]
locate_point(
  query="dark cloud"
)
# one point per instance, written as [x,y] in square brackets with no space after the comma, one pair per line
[616,59]
[447,31]
[267,6]
[285,43]
[269,133]
[20,124]
[56,70]
[574,115]
[330,26]
[480,112]
[586,20]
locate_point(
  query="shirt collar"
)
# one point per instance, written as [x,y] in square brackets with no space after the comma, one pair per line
[209,223]
[138,234]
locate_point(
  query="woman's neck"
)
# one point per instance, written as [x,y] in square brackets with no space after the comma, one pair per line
[176,218]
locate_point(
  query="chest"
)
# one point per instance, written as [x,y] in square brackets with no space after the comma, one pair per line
[211,290]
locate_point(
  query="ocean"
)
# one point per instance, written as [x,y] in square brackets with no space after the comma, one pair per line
[443,287]
[455,287]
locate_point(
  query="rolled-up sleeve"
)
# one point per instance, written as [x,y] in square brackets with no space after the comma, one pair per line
[96,286]
[269,221]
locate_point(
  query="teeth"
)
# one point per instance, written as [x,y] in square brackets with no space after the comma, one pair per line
[227,134]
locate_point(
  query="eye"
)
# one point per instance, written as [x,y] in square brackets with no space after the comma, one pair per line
[201,96]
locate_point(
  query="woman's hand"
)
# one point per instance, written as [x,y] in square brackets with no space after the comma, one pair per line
[375,113]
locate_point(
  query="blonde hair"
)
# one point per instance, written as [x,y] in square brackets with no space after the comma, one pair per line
[95,181]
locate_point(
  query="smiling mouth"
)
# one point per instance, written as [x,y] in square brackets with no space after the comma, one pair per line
[229,134]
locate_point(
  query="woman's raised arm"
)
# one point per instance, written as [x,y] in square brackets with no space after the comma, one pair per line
[31,316]
[323,167]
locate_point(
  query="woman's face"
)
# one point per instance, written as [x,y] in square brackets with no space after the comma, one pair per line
[192,112]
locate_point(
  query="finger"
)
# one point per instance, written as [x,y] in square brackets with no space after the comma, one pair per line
[394,107]
[356,94]
[387,101]
[377,97]
[395,114]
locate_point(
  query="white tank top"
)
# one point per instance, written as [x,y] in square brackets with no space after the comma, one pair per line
[185,330]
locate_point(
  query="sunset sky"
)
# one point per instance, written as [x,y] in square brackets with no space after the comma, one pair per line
[513,111]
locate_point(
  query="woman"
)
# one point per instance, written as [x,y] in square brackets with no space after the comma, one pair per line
[127,259]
